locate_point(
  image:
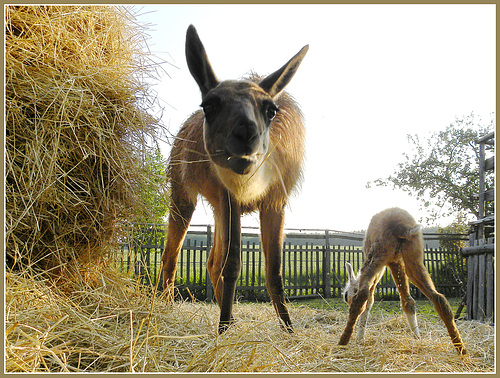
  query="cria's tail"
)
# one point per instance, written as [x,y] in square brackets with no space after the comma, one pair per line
[412,232]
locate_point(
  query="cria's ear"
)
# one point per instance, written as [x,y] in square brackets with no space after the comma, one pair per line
[275,82]
[198,63]
[350,271]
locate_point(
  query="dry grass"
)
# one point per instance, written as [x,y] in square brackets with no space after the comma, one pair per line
[111,324]
[76,117]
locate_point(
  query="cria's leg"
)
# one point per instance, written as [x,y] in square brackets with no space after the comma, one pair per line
[357,306]
[363,318]
[407,302]
[419,275]
[371,272]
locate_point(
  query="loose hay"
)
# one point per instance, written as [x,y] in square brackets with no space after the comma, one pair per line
[74,123]
[76,119]
[115,325]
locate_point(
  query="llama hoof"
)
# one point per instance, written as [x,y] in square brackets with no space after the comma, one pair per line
[343,340]
[287,327]
[169,294]
[224,324]
[461,349]
[223,327]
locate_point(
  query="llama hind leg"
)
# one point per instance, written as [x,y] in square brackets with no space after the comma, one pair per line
[407,302]
[178,223]
[419,275]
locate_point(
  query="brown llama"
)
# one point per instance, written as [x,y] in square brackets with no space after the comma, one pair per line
[243,152]
[393,239]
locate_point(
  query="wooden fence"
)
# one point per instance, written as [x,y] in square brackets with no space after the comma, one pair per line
[312,265]
[480,253]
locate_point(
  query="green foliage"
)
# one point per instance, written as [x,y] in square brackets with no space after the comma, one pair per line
[153,194]
[442,169]
[459,226]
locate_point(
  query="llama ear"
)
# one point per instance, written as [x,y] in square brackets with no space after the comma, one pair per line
[350,271]
[275,82]
[198,62]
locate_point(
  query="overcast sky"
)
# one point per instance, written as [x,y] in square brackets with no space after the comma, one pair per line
[373,74]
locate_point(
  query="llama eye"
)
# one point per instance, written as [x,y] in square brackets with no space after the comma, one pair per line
[271,112]
[210,106]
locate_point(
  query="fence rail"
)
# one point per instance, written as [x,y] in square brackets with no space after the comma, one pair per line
[312,265]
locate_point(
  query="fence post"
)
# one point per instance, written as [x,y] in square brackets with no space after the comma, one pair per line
[210,289]
[327,282]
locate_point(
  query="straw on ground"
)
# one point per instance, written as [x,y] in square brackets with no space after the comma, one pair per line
[115,325]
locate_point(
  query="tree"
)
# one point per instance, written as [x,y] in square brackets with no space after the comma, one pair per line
[153,193]
[442,170]
[450,235]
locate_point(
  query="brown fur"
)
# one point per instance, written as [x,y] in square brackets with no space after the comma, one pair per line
[189,161]
[394,239]
[241,158]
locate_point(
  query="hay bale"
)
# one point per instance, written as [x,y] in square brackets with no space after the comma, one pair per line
[117,327]
[75,122]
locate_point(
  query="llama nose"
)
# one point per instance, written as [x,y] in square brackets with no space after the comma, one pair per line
[245,132]
[243,139]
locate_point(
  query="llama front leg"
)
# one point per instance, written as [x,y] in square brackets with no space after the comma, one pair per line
[231,260]
[355,309]
[371,272]
[363,318]
[272,223]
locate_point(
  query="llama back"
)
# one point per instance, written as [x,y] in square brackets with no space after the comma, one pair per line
[392,225]
[188,158]
[396,222]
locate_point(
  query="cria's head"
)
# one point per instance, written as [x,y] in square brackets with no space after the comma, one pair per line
[352,285]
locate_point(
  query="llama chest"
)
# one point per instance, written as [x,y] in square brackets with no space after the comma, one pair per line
[250,187]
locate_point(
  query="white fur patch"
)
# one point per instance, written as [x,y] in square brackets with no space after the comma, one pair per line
[250,187]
